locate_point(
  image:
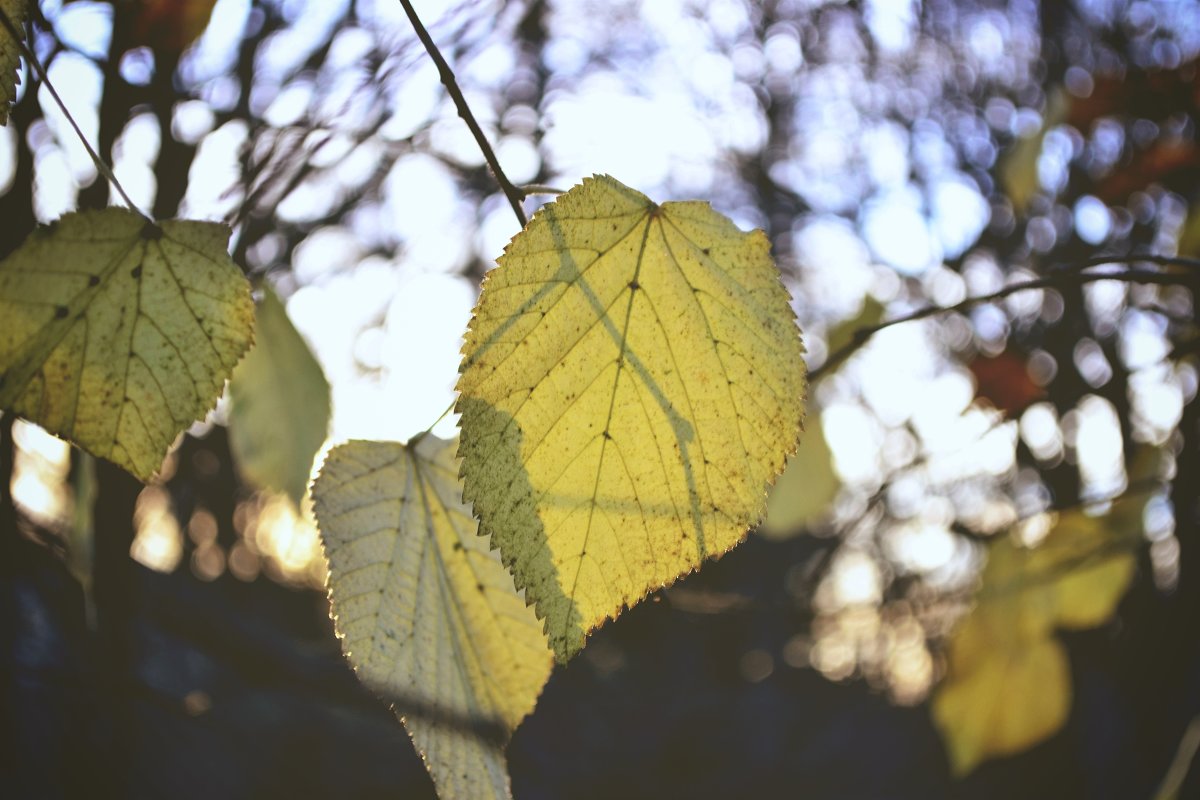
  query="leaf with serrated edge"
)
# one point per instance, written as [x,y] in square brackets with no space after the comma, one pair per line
[426,612]
[119,333]
[10,55]
[279,409]
[632,381]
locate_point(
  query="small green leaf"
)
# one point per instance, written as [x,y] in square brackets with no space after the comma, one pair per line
[10,54]
[119,333]
[868,316]
[280,405]
[426,612]
[805,492]
[632,381]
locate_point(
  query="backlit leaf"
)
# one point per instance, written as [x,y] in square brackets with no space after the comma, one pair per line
[119,333]
[632,380]
[10,54]
[280,405]
[426,612]
[1008,685]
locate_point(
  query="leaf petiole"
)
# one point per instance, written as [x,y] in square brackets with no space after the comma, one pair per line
[36,64]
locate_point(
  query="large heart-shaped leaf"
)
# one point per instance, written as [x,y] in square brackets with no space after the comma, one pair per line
[632,380]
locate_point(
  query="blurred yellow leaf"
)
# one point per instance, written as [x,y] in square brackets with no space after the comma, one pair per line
[425,611]
[632,380]
[1091,556]
[1008,685]
[119,333]
[1012,700]
[1019,169]
[280,405]
[805,492]
[10,54]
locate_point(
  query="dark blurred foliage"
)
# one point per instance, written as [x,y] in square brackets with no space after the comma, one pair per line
[1072,127]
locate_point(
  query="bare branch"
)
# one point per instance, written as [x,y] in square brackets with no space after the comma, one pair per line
[1075,275]
[514,195]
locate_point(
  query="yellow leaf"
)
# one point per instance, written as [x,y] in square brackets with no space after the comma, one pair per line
[1010,700]
[1007,685]
[426,612]
[119,333]
[280,405]
[805,492]
[1092,560]
[632,380]
[10,55]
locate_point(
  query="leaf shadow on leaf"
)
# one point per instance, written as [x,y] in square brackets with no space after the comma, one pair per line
[520,517]
[489,730]
[683,430]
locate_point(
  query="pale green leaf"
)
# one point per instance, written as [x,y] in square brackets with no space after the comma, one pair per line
[119,333]
[632,381]
[426,612]
[280,405]
[868,316]
[805,492]
[10,54]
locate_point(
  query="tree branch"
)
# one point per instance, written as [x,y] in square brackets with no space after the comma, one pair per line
[37,67]
[1077,276]
[514,195]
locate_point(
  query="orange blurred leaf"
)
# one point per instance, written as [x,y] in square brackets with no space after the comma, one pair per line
[1004,381]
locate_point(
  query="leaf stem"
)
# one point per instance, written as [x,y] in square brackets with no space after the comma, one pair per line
[101,167]
[1076,274]
[514,195]
[412,442]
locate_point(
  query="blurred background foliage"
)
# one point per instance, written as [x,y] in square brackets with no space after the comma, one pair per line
[899,154]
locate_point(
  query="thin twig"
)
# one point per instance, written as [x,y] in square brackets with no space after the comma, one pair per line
[862,335]
[102,167]
[540,188]
[514,195]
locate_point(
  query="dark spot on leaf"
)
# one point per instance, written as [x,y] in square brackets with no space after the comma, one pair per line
[479,586]
[634,285]
[607,435]
[93,280]
[705,251]
[151,232]
[60,312]
[136,272]
[457,546]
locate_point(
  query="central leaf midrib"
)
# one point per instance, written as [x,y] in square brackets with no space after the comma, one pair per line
[651,215]
[449,595]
